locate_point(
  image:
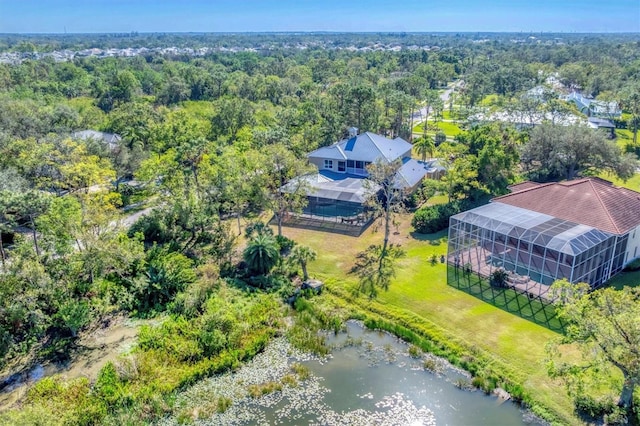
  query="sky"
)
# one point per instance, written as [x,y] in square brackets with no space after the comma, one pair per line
[100,16]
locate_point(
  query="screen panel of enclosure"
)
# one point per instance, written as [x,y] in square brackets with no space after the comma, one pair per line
[532,246]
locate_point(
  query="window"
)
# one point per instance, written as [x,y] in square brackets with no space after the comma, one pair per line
[341,166]
[359,165]
[350,164]
[328,164]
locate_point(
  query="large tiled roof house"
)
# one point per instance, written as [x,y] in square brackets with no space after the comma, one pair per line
[585,230]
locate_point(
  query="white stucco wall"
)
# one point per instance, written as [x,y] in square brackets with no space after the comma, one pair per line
[633,246]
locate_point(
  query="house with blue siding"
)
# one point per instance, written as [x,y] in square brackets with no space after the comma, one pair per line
[594,108]
[338,191]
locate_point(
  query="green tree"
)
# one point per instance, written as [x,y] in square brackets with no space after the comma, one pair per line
[460,179]
[82,171]
[284,181]
[32,205]
[555,151]
[74,315]
[302,255]
[430,98]
[496,149]
[631,103]
[385,197]
[9,202]
[424,145]
[360,103]
[168,273]
[604,324]
[261,254]
[174,91]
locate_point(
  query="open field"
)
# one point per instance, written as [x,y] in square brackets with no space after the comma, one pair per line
[421,288]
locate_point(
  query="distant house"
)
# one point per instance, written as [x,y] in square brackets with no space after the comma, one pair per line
[525,120]
[337,192]
[594,108]
[110,139]
[606,125]
[539,93]
[585,230]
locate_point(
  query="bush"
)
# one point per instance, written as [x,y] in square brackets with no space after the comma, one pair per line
[153,227]
[285,244]
[594,407]
[499,278]
[430,219]
[633,266]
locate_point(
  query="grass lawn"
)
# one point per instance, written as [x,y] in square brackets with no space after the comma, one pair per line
[623,136]
[633,183]
[450,129]
[438,199]
[625,279]
[421,288]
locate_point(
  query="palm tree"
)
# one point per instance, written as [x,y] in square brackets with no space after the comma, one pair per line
[303,255]
[261,254]
[424,145]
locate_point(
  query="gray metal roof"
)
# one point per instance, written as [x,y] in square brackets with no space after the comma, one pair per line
[601,122]
[111,139]
[364,147]
[537,228]
[413,171]
[336,186]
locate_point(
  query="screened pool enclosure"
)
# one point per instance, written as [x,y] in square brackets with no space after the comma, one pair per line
[533,249]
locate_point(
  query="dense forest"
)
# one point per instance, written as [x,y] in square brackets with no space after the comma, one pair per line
[207,140]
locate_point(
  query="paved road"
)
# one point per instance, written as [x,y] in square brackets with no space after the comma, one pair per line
[129,220]
[421,114]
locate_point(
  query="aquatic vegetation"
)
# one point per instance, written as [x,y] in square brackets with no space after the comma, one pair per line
[414,351]
[301,371]
[256,391]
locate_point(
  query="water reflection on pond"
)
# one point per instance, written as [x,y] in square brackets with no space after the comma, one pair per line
[370,378]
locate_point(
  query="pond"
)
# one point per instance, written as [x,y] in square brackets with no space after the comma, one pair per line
[370,378]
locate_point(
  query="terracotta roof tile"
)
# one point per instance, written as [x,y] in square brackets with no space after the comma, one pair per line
[592,201]
[527,184]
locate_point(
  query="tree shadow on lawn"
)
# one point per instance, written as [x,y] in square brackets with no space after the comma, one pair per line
[625,279]
[435,239]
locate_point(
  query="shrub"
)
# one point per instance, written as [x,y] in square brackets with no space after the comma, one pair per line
[108,387]
[430,219]
[285,244]
[499,278]
[593,407]
[153,227]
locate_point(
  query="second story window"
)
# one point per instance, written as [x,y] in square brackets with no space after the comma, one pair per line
[328,164]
